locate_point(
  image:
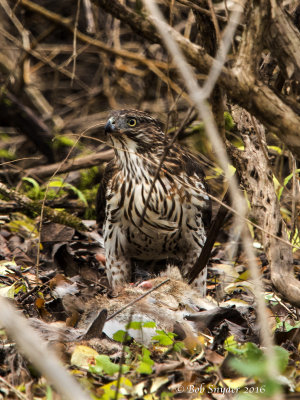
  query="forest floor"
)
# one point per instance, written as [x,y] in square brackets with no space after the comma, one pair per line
[169,343]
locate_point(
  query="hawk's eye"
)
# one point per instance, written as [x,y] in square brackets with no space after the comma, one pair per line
[131,122]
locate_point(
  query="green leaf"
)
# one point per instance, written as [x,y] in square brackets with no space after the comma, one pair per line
[178,346]
[140,325]
[49,393]
[249,368]
[146,364]
[286,181]
[149,324]
[134,325]
[65,185]
[32,181]
[166,395]
[7,291]
[270,297]
[144,368]
[78,193]
[163,338]
[57,183]
[121,336]
[275,148]
[252,361]
[25,228]
[104,365]
[271,388]
[295,240]
[282,356]
[286,326]
[36,190]
[289,177]
[231,345]
[252,352]
[229,122]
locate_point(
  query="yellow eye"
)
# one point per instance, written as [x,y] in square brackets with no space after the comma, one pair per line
[131,122]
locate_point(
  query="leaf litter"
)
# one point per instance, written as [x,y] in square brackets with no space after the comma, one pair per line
[176,343]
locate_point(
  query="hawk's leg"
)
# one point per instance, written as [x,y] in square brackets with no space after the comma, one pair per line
[118,270]
[200,281]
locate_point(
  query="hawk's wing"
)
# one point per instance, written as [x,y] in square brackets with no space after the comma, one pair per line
[193,168]
[101,195]
[180,159]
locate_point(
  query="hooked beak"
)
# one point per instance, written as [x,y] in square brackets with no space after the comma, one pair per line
[109,127]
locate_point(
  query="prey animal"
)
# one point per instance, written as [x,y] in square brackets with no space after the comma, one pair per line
[178,212]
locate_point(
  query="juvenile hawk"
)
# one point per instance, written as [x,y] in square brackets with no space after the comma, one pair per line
[179,210]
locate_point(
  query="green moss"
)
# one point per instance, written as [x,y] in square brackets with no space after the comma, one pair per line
[88,177]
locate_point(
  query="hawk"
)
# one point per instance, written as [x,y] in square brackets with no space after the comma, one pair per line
[179,210]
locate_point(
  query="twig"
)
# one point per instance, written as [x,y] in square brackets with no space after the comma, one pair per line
[13,389]
[22,31]
[122,358]
[215,22]
[204,11]
[220,59]
[45,60]
[72,164]
[74,55]
[89,16]
[295,192]
[66,22]
[19,159]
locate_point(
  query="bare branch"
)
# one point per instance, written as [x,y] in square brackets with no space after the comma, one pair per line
[256,98]
[72,164]
[283,40]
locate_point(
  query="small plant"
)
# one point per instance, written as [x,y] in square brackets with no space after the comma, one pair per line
[250,361]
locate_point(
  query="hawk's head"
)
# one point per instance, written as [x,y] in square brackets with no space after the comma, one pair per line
[134,130]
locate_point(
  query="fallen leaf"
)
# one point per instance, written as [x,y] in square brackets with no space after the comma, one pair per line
[83,356]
